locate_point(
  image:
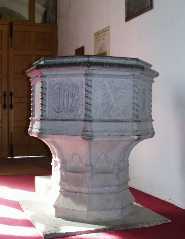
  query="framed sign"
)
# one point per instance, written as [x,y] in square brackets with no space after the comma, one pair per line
[134,8]
[102,42]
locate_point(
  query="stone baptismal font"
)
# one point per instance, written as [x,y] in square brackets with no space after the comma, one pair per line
[91,111]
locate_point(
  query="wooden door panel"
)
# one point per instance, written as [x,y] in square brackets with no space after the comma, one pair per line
[43,41]
[1,62]
[2,150]
[21,63]
[1,109]
[35,38]
[1,118]
[3,90]
[22,40]
[36,147]
[24,83]
[29,41]
[20,118]
[3,37]
[20,135]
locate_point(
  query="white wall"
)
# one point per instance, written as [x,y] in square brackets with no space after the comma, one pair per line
[157,165]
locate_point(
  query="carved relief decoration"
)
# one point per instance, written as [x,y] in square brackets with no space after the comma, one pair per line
[65,100]
[109,99]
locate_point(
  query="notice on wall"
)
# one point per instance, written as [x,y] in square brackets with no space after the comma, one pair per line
[102,42]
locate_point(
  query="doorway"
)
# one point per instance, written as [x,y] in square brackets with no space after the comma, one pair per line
[21,43]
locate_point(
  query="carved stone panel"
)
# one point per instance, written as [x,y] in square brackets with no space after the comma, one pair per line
[112,99]
[65,99]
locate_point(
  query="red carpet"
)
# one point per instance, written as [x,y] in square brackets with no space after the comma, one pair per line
[15,225]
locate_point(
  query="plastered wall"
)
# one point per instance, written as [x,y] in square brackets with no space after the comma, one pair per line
[157,165]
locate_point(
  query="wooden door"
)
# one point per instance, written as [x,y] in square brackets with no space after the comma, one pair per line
[3,90]
[28,43]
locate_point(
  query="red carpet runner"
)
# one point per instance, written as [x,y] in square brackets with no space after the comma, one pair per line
[15,225]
